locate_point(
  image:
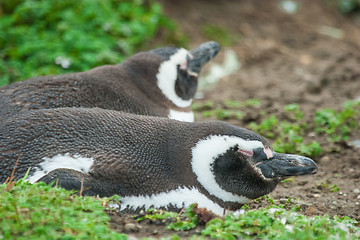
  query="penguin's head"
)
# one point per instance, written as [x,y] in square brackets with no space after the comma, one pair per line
[236,168]
[178,71]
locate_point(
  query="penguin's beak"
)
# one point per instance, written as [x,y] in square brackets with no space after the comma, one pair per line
[201,55]
[282,165]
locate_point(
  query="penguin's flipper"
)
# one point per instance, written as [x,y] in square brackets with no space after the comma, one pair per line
[74,180]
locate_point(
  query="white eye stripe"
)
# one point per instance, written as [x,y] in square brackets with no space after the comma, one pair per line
[203,156]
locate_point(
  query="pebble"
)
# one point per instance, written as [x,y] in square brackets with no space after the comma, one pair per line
[289,6]
[342,194]
[311,211]
[356,190]
[324,160]
[357,203]
[312,134]
[334,202]
[316,195]
[131,227]
[302,183]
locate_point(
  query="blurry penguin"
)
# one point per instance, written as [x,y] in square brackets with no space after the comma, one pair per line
[160,82]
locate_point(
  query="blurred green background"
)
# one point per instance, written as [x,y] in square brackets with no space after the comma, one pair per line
[47,37]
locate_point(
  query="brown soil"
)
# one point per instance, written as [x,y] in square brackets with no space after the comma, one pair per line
[285,58]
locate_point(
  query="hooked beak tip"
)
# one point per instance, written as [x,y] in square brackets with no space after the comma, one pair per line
[202,54]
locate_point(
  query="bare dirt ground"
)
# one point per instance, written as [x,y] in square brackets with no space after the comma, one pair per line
[285,58]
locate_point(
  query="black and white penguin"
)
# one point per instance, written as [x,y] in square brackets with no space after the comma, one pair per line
[149,161]
[160,82]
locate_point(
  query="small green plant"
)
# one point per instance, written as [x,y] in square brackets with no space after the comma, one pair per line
[293,111]
[266,126]
[252,102]
[38,211]
[331,188]
[292,142]
[178,222]
[287,134]
[157,214]
[338,124]
[289,180]
[334,188]
[223,114]
[233,103]
[269,199]
[187,221]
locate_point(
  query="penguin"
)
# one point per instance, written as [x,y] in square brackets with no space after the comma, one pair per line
[148,161]
[160,82]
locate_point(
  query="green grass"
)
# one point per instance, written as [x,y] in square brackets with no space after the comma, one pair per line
[41,37]
[272,222]
[208,108]
[288,134]
[275,222]
[337,125]
[39,211]
[178,222]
